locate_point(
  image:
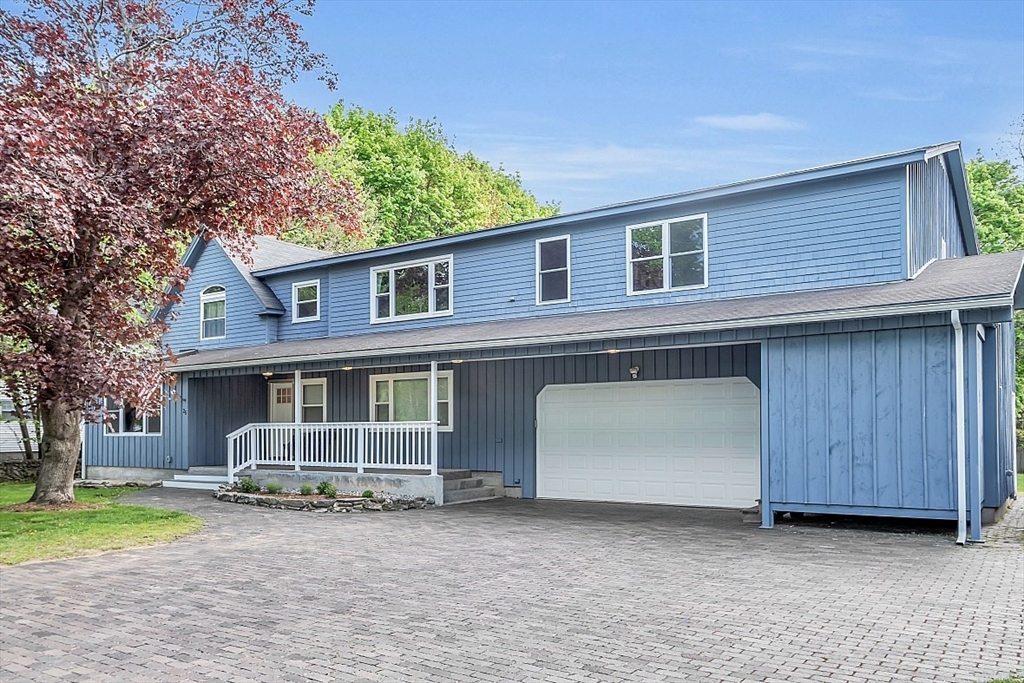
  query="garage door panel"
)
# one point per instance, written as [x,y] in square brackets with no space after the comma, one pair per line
[685,442]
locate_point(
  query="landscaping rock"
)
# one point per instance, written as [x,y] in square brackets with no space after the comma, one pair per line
[344,504]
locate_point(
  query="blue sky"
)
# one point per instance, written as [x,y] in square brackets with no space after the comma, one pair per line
[595,103]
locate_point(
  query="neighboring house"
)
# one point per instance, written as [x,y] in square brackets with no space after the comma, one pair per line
[12,447]
[826,341]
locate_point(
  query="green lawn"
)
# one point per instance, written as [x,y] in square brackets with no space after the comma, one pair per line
[48,535]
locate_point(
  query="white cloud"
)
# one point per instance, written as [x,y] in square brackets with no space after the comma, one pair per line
[762,121]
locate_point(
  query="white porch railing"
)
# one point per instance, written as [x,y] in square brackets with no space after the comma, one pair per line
[357,445]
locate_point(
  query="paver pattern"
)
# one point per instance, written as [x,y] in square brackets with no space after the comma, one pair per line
[517,591]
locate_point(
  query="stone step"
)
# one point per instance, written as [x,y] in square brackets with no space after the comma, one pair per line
[202,485]
[469,495]
[449,475]
[216,479]
[459,484]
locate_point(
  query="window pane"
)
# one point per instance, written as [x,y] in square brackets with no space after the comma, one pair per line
[307,293]
[410,400]
[113,421]
[382,413]
[382,391]
[383,306]
[307,310]
[688,270]
[411,295]
[132,419]
[441,299]
[646,241]
[213,309]
[687,235]
[442,388]
[213,328]
[441,273]
[313,394]
[442,413]
[153,424]
[216,289]
[313,414]
[553,255]
[554,286]
[648,275]
[383,280]
[112,405]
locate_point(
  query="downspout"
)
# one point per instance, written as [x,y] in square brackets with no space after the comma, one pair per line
[961,441]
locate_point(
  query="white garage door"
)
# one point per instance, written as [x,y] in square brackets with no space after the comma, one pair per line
[680,442]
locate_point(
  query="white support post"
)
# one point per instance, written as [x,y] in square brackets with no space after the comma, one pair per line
[297,405]
[360,448]
[433,416]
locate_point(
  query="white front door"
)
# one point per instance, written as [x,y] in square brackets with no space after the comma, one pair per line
[282,402]
[680,442]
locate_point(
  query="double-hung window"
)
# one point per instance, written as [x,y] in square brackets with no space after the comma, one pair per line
[405,397]
[667,255]
[124,418]
[405,291]
[305,301]
[314,400]
[553,270]
[213,313]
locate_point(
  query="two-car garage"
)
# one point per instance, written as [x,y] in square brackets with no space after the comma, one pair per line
[677,442]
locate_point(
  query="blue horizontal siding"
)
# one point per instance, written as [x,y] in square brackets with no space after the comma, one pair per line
[244,326]
[862,419]
[826,234]
[282,288]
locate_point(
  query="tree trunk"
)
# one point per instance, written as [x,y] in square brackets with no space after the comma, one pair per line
[62,440]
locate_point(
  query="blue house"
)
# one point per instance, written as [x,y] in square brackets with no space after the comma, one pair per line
[822,341]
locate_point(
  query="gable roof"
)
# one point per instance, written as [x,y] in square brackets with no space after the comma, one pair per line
[950,151]
[270,252]
[976,282]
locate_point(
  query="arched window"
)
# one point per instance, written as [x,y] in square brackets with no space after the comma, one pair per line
[213,313]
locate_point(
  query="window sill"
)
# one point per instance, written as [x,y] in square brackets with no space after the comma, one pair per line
[404,318]
[305,320]
[667,290]
[132,435]
[551,303]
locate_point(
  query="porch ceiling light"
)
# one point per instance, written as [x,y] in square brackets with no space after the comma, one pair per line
[613,350]
[267,374]
[457,360]
[346,367]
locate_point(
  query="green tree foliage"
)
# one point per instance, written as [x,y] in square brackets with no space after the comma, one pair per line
[414,184]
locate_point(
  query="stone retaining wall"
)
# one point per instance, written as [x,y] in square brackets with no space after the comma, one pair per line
[376,504]
[25,470]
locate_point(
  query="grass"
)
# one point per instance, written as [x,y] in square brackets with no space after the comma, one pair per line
[1020,482]
[48,535]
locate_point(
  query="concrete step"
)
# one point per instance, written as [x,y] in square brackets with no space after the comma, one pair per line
[459,484]
[215,471]
[455,474]
[469,495]
[216,479]
[202,485]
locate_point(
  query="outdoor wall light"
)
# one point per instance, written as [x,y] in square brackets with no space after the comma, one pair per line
[347,368]
[634,371]
[613,350]
[457,361]
[267,374]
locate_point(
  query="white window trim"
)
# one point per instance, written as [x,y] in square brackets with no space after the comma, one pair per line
[204,299]
[322,381]
[568,269]
[295,301]
[412,375]
[120,423]
[391,279]
[273,384]
[665,254]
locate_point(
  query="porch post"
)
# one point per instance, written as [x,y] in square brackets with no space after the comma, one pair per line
[433,416]
[297,406]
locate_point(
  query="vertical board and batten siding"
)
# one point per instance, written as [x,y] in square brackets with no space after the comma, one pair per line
[167,450]
[282,288]
[999,384]
[862,420]
[243,326]
[220,405]
[931,215]
[825,234]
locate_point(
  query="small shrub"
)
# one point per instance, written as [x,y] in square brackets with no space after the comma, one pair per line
[247,485]
[326,488]
[306,489]
[367,493]
[274,487]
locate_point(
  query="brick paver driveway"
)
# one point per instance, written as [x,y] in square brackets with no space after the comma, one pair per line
[516,590]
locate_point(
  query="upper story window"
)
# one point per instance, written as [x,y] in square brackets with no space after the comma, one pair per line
[406,291]
[305,301]
[553,270]
[405,397]
[213,313]
[126,419]
[667,255]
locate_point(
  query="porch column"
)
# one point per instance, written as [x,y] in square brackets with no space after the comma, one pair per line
[297,406]
[433,416]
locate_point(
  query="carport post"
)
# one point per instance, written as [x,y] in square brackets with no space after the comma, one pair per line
[433,416]
[297,405]
[767,516]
